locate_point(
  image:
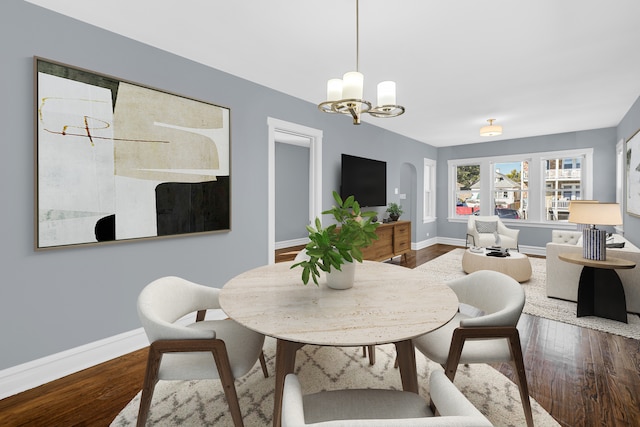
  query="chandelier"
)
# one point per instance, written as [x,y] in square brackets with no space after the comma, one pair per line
[345,96]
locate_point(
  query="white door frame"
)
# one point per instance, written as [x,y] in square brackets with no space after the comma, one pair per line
[311,138]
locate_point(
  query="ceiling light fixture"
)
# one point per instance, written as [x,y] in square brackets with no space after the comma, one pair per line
[491,130]
[345,96]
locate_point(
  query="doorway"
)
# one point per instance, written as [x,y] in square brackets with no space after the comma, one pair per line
[283,132]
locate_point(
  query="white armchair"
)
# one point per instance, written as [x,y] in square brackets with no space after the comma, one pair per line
[485,231]
[379,408]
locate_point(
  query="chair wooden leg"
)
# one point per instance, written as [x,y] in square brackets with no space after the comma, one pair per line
[513,337]
[455,351]
[521,376]
[372,354]
[226,378]
[150,381]
[263,363]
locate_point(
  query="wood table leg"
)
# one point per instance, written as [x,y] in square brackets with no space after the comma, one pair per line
[285,364]
[407,365]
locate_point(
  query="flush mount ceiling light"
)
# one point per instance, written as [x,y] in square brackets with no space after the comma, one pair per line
[345,96]
[491,130]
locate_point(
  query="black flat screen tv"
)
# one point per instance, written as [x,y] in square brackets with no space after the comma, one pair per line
[365,179]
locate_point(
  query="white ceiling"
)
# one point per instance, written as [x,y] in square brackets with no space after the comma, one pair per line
[537,66]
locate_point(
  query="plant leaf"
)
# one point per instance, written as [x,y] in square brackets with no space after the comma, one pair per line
[337,198]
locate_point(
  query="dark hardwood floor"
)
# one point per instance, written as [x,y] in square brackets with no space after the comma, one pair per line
[580,376]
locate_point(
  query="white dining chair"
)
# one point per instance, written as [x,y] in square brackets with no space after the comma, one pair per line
[379,407]
[484,330]
[207,349]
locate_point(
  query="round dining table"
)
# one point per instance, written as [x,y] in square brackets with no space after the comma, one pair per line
[387,304]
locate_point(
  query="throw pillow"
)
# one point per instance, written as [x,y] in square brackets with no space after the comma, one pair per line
[486,226]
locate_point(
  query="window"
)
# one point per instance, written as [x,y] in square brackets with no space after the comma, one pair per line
[536,187]
[510,184]
[563,183]
[467,196]
[429,201]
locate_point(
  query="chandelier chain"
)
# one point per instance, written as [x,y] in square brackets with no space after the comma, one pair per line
[357,35]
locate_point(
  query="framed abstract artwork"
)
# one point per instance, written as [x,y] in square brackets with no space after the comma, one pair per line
[633,174]
[118,161]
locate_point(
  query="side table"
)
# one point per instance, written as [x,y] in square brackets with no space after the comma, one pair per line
[600,291]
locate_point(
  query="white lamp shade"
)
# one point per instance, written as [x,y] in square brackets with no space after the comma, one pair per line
[353,83]
[334,90]
[386,93]
[491,130]
[595,213]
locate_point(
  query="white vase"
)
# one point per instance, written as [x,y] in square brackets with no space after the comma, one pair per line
[342,279]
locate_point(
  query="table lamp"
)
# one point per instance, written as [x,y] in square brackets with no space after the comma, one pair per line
[592,213]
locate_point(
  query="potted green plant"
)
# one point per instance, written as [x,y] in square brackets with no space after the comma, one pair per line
[394,210]
[333,246]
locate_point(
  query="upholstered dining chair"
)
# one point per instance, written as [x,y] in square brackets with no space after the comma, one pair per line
[484,330]
[378,407]
[206,349]
[489,230]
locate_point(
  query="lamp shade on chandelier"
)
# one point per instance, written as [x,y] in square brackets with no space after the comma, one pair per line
[491,130]
[346,95]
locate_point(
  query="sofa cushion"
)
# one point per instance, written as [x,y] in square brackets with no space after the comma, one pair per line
[486,226]
[567,237]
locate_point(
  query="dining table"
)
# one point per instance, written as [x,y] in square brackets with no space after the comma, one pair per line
[388,303]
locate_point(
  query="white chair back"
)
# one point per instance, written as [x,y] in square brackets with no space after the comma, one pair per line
[166,300]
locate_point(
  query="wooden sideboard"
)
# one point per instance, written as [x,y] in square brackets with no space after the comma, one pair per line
[394,238]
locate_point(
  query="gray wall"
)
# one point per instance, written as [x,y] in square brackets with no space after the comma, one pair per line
[59,299]
[55,300]
[292,177]
[627,127]
[603,142]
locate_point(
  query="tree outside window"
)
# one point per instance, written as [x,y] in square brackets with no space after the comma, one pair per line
[467,189]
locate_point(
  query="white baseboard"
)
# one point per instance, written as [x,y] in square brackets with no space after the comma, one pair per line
[32,374]
[531,250]
[451,241]
[424,244]
[290,243]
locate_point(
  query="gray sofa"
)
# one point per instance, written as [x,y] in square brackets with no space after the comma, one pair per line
[562,277]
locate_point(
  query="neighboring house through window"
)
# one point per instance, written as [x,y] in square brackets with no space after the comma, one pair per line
[536,187]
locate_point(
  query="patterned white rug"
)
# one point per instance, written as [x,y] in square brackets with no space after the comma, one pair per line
[196,403]
[449,266]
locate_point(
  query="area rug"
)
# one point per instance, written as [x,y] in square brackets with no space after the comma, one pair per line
[449,266]
[196,403]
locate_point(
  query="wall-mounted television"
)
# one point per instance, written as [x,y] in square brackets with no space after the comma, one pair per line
[365,179]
